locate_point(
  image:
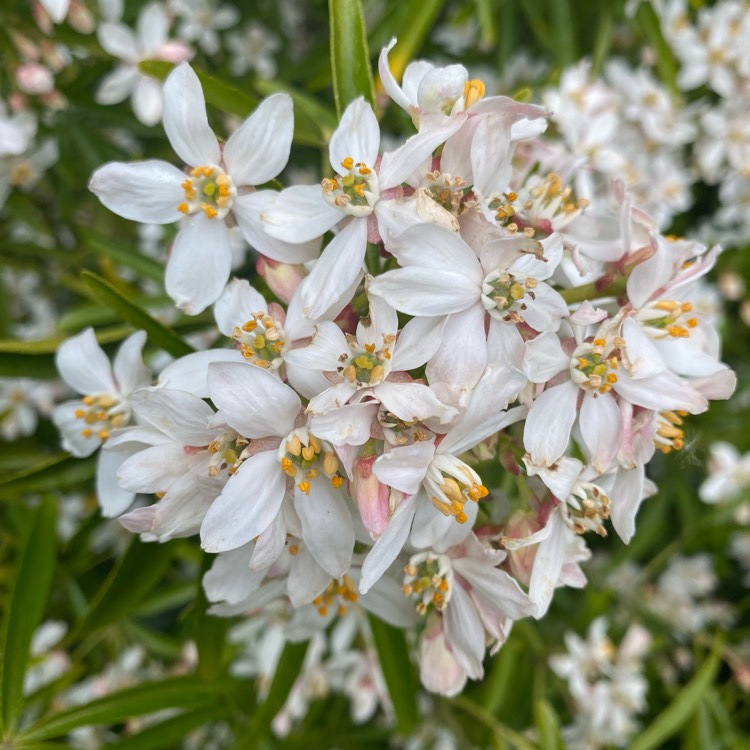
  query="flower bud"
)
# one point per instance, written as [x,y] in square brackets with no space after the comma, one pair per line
[33,78]
[282,278]
[521,524]
[370,496]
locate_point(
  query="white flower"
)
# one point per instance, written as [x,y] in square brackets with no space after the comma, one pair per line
[201,20]
[217,189]
[728,473]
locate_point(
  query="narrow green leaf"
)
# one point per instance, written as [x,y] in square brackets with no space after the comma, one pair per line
[169,733]
[135,575]
[122,253]
[40,366]
[498,729]
[350,58]
[209,633]
[666,62]
[50,473]
[223,96]
[548,724]
[146,698]
[398,671]
[33,580]
[488,32]
[676,714]
[562,23]
[158,334]
[502,676]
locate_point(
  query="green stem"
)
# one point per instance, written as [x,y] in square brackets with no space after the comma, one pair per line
[594,290]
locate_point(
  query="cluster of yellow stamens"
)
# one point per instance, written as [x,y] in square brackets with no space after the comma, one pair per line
[450,483]
[261,341]
[668,317]
[356,191]
[226,450]
[551,205]
[589,508]
[428,578]
[592,370]
[207,189]
[502,290]
[449,192]
[506,209]
[341,593]
[669,434]
[304,457]
[365,366]
[102,413]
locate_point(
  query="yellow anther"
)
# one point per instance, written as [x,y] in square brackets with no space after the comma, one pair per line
[377,374]
[364,169]
[473,92]
[613,363]
[315,442]
[359,189]
[79,413]
[477,491]
[308,453]
[304,487]
[583,363]
[677,331]
[611,377]
[103,434]
[600,342]
[288,467]
[312,474]
[452,490]
[87,432]
[293,549]
[322,611]
[350,373]
[250,326]
[294,446]
[337,481]
[183,208]
[330,463]
[686,307]
[461,517]
[210,211]
[691,322]
[88,400]
[222,181]
[347,163]
[511,196]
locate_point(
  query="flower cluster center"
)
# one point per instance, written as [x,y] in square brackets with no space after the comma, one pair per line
[593,371]
[669,434]
[100,413]
[589,508]
[208,189]
[428,579]
[355,192]
[262,341]
[503,294]
[341,593]
[451,483]
[667,318]
[303,456]
[366,366]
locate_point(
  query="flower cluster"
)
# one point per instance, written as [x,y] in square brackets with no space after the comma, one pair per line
[469,317]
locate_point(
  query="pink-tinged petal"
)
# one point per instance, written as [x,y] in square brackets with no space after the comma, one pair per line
[505,345]
[153,469]
[626,494]
[397,166]
[128,368]
[661,392]
[559,477]
[229,579]
[118,40]
[326,526]
[404,468]
[259,149]
[357,136]
[147,101]
[439,670]
[183,416]
[464,333]
[434,248]
[418,341]
[269,545]
[588,315]
[190,373]
[256,402]
[336,270]
[601,429]
[117,85]
[247,506]
[546,310]
[84,366]
[544,358]
[548,563]
[349,425]
[640,356]
[113,499]
[380,325]
[550,420]
[413,402]
[389,82]
[199,264]
[333,397]
[388,547]
[324,351]
[494,588]
[486,409]
[237,305]
[299,214]
[147,191]
[185,119]
[247,209]
[426,292]
[464,632]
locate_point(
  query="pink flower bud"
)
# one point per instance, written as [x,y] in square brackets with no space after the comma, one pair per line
[282,278]
[174,52]
[370,496]
[522,523]
[33,78]
[438,669]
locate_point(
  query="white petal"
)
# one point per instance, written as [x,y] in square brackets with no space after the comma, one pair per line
[118,40]
[113,500]
[190,373]
[464,632]
[247,209]
[546,310]
[185,119]
[434,530]
[152,27]
[497,590]
[559,477]
[641,356]
[306,578]
[247,506]
[147,191]
[548,562]
[237,305]
[389,82]
[299,214]
[413,402]
[269,545]
[505,345]
[336,270]
[256,403]
[199,264]
[349,425]
[599,422]
[147,101]
[661,392]
[419,339]
[259,149]
[357,136]
[230,579]
[327,346]
[117,85]
[386,600]
[333,397]
[551,417]
[182,416]
[153,469]
[84,366]
[388,546]
[326,526]
[404,468]
[128,368]
[381,324]
[544,357]
[626,495]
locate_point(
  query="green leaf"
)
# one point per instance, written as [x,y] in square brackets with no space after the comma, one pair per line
[137,572]
[147,698]
[158,334]
[666,63]
[350,58]
[50,473]
[122,253]
[676,714]
[223,96]
[169,733]
[209,632]
[548,724]
[398,671]
[33,580]
[562,23]
[485,15]
[500,731]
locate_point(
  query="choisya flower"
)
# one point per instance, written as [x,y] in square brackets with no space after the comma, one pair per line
[216,192]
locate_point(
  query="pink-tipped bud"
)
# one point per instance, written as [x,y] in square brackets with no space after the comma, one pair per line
[370,496]
[439,670]
[174,52]
[34,79]
[81,18]
[282,278]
